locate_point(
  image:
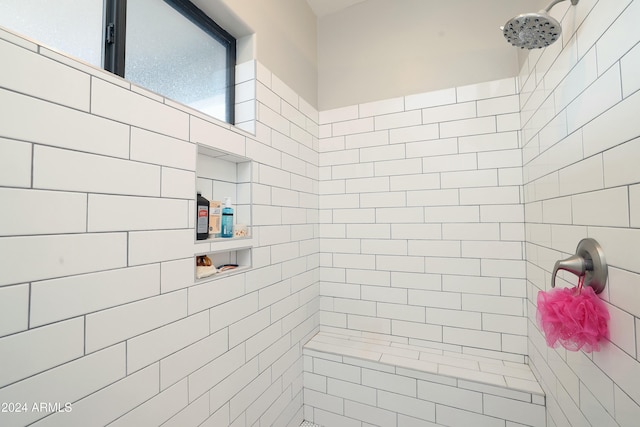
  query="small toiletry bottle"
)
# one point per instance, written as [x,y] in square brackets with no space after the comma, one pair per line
[202,221]
[227,219]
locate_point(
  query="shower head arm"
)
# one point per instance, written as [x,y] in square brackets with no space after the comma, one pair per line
[555,2]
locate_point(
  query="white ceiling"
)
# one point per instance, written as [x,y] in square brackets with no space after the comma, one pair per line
[327,7]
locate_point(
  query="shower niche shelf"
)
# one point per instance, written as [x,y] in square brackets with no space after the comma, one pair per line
[240,256]
[219,175]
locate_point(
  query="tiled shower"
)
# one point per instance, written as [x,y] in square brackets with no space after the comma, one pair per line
[432,219]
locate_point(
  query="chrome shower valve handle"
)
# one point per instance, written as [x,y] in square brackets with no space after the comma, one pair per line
[588,262]
[574,264]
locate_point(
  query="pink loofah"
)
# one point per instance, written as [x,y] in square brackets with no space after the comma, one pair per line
[575,318]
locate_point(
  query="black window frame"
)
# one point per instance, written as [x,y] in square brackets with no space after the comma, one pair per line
[115,41]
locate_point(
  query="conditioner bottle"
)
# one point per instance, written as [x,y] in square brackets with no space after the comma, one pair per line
[227,219]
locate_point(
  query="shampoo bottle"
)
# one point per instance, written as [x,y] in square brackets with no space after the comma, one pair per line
[227,219]
[202,221]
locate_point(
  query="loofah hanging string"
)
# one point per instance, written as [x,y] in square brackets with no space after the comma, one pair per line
[575,318]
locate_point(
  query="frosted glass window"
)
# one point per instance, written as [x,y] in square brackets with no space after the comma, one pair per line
[168,54]
[70,26]
[167,46]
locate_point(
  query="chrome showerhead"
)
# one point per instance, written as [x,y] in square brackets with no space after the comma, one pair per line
[533,30]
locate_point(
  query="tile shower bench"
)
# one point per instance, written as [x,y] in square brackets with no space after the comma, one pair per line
[354,381]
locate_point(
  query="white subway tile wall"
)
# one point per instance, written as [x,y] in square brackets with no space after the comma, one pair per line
[428,220]
[434,190]
[580,148]
[98,303]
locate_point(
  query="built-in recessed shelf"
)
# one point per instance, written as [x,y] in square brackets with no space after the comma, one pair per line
[220,175]
[223,244]
[240,256]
